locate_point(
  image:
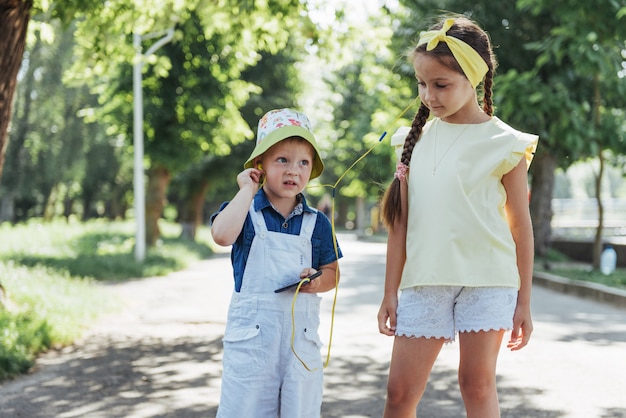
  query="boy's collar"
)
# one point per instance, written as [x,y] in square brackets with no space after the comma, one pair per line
[261,201]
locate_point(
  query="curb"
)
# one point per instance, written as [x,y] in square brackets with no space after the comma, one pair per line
[587,290]
[580,288]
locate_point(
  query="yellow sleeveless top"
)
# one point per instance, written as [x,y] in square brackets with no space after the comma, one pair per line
[457,232]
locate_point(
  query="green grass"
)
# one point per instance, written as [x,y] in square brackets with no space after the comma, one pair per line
[617,279]
[98,249]
[52,274]
[559,264]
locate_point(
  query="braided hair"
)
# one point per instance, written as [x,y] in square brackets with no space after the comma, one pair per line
[467,31]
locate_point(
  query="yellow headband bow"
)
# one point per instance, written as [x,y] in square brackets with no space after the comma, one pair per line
[471,63]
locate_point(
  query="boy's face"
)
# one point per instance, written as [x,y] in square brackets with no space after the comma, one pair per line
[287,166]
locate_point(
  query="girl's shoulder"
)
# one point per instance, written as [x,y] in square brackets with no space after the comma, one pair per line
[505,129]
[516,143]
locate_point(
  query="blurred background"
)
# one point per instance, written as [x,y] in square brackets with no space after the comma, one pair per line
[67,103]
[123,125]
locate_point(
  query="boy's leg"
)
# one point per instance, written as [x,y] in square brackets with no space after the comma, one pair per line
[301,391]
[301,396]
[477,372]
[248,398]
[411,362]
[251,376]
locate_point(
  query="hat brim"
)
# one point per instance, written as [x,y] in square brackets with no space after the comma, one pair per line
[285,132]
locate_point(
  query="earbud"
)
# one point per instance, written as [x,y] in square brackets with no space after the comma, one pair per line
[259,166]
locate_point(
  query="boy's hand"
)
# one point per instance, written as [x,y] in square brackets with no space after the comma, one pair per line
[250,178]
[313,285]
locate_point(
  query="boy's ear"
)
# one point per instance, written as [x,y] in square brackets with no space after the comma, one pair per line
[259,166]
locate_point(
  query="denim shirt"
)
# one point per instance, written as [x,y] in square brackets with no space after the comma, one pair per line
[322,239]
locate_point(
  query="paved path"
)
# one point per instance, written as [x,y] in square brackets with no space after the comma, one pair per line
[162,356]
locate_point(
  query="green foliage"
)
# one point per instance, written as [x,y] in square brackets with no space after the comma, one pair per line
[22,337]
[278,85]
[193,86]
[366,98]
[51,274]
[184,121]
[583,51]
[555,262]
[55,154]
[616,280]
[101,250]
[46,308]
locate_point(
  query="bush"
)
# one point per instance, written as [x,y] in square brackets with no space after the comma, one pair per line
[23,336]
[52,273]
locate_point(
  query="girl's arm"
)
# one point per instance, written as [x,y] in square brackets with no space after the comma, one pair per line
[227,225]
[518,216]
[396,257]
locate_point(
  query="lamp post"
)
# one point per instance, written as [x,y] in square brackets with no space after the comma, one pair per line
[138,174]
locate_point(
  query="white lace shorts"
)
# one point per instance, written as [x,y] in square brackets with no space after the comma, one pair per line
[442,311]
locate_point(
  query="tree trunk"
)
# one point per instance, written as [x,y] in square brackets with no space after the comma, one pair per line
[50,202]
[158,180]
[597,242]
[7,207]
[542,187]
[68,206]
[190,212]
[341,206]
[14,18]
[115,208]
[361,216]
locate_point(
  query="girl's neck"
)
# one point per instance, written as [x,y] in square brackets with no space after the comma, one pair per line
[471,115]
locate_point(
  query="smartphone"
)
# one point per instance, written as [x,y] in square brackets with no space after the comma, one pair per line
[292,285]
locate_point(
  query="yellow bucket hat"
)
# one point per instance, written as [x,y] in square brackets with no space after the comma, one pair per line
[280,124]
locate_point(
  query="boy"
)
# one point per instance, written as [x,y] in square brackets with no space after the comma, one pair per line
[277,239]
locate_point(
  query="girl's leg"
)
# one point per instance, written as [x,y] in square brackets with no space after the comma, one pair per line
[477,372]
[411,362]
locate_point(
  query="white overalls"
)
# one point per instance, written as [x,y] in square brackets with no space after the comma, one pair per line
[262,377]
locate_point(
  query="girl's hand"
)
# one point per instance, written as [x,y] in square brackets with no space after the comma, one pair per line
[387,316]
[250,178]
[522,328]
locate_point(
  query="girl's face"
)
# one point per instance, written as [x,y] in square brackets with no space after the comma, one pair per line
[447,93]
[287,166]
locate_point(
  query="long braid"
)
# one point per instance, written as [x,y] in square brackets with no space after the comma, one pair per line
[414,134]
[488,92]
[391,204]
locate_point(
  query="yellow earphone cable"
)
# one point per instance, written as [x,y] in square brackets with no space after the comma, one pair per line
[335,246]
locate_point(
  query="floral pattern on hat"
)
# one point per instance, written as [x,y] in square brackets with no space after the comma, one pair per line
[276,119]
[280,124]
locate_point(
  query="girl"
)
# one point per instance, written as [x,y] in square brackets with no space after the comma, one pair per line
[460,243]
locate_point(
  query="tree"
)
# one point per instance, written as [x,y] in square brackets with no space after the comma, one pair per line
[543,83]
[47,162]
[277,86]
[584,52]
[14,18]
[194,88]
[365,96]
[104,31]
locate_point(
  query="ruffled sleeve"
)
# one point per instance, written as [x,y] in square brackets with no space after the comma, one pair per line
[397,140]
[524,145]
